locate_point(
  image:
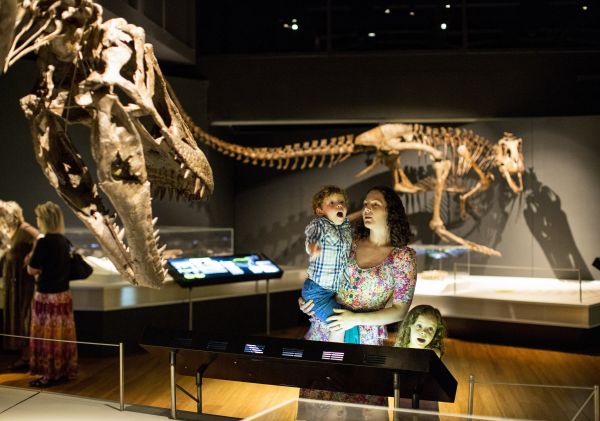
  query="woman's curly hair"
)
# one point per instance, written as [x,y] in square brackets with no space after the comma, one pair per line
[396,219]
[437,342]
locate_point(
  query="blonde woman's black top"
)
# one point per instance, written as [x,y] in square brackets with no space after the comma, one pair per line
[51,256]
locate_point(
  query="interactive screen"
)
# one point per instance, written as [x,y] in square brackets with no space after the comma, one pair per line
[196,271]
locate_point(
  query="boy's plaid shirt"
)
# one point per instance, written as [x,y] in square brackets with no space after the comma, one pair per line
[328,267]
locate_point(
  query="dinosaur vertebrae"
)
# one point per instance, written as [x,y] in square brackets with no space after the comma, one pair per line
[299,156]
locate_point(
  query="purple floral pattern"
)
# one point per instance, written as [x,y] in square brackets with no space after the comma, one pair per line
[370,289]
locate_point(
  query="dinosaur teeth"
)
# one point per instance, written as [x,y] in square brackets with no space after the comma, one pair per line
[197,185]
[187,173]
[202,191]
[162,249]
[156,233]
[121,234]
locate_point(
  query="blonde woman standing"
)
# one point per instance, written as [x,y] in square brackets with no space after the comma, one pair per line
[52,306]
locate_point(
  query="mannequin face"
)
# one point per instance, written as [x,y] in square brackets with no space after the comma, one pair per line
[422,331]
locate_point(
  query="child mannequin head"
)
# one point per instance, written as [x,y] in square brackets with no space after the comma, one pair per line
[422,328]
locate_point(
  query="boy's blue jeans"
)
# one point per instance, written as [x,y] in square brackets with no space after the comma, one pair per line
[324,299]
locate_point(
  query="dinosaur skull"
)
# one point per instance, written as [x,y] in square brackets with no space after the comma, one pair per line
[103,75]
[510,161]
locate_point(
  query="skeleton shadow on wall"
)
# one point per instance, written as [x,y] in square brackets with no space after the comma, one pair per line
[487,216]
[549,226]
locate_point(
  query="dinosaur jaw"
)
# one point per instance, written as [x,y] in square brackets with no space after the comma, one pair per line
[515,187]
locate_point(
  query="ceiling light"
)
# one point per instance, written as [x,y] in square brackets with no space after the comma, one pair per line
[447,5]
[412,13]
[387,11]
[443,26]
[584,7]
[372,34]
[294,27]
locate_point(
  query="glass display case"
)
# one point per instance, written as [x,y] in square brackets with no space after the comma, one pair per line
[438,261]
[181,241]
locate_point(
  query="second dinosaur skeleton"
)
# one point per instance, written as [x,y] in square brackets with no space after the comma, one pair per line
[454,154]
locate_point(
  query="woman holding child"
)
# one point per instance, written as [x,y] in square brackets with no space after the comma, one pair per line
[381,269]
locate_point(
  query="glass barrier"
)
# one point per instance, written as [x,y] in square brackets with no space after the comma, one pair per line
[313,410]
[548,402]
[93,359]
[514,282]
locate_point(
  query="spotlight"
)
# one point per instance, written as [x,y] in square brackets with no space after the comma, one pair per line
[372,34]
[294,27]
[447,5]
[412,13]
[584,7]
[443,26]
[387,11]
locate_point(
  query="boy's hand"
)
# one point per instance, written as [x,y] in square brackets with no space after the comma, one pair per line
[314,250]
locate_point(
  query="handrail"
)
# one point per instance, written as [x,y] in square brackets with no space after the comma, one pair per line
[121,359]
[595,394]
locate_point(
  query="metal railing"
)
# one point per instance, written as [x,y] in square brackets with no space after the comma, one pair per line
[595,395]
[121,359]
[525,269]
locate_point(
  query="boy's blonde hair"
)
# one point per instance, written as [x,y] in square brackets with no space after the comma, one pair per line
[50,218]
[319,197]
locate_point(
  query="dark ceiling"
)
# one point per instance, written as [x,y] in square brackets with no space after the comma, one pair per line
[244,27]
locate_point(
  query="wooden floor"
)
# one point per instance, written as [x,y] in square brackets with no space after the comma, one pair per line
[147,382]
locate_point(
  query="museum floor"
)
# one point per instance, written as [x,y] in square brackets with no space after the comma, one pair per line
[146,382]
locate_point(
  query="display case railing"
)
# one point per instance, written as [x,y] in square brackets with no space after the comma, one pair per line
[309,409]
[527,277]
[551,399]
[119,347]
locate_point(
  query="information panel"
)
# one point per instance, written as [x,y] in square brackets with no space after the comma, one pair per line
[198,271]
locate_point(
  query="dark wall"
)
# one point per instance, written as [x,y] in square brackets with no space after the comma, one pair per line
[402,87]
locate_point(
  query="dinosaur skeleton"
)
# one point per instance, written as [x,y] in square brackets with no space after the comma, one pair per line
[455,153]
[103,75]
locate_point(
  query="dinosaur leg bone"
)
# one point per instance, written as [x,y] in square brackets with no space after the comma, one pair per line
[485,179]
[442,170]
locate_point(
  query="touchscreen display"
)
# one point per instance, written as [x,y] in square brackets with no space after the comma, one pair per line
[194,271]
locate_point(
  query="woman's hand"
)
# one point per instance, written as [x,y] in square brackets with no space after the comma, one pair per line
[306,306]
[342,320]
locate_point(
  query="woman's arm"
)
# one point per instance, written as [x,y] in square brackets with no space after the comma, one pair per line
[33,271]
[346,319]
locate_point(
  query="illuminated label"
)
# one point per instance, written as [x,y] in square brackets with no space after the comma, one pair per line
[333,356]
[254,349]
[291,352]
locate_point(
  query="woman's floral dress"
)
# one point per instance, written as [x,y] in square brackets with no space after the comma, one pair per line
[369,289]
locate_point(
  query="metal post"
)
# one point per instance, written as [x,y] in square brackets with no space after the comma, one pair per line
[471,391]
[190,310]
[173,395]
[596,403]
[396,396]
[121,378]
[268,309]
[198,392]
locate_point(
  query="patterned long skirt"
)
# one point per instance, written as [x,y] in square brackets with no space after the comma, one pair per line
[52,318]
